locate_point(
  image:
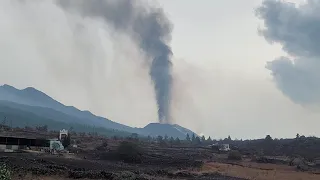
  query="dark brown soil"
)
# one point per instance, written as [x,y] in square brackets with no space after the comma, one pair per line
[50,165]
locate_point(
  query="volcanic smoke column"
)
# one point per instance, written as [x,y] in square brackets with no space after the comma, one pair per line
[148,26]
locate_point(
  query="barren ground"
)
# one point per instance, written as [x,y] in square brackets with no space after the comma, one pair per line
[259,171]
[158,163]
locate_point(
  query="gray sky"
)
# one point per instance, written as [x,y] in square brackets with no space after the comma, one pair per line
[221,85]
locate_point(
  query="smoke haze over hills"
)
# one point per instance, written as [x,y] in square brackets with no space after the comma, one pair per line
[147,26]
[81,57]
[220,85]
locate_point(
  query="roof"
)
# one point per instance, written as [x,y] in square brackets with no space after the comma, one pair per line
[24,135]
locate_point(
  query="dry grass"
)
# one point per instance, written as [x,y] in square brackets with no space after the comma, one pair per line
[257,171]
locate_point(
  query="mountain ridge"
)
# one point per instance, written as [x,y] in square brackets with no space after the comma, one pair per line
[40,99]
[39,103]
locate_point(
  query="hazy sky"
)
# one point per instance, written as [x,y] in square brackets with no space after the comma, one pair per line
[221,84]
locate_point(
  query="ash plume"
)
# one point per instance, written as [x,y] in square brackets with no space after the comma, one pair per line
[297,29]
[148,26]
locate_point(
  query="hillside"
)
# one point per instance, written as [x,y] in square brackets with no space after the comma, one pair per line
[156,129]
[34,98]
[16,117]
[32,107]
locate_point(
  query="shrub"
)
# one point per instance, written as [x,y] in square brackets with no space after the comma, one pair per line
[129,152]
[5,173]
[125,175]
[163,143]
[264,159]
[234,155]
[66,141]
[103,146]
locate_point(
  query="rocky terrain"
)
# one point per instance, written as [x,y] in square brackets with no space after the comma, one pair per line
[44,165]
[99,157]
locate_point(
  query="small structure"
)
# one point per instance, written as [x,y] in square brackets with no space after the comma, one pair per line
[224,147]
[10,143]
[56,145]
[16,143]
[63,133]
[220,147]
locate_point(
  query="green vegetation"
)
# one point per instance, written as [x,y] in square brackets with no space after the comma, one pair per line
[5,173]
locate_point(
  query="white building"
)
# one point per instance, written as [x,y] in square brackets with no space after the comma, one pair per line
[63,133]
[224,147]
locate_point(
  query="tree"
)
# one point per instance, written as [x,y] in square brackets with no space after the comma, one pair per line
[66,141]
[82,134]
[166,138]
[160,139]
[297,136]
[229,138]
[42,128]
[193,138]
[268,138]
[45,128]
[171,141]
[209,139]
[134,136]
[188,138]
[177,141]
[203,139]
[197,140]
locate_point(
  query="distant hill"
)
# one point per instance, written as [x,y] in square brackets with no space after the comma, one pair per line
[34,98]
[16,116]
[33,107]
[157,129]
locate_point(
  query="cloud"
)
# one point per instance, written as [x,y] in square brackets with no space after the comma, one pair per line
[297,29]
